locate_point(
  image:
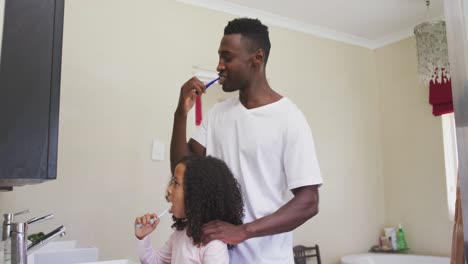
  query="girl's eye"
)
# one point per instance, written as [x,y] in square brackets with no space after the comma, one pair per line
[174,182]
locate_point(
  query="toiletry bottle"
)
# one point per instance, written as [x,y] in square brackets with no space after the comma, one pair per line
[401,240]
[390,233]
[394,239]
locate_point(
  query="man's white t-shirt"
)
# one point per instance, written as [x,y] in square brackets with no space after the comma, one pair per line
[270,151]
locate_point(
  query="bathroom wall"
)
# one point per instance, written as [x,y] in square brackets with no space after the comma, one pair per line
[412,153]
[123,64]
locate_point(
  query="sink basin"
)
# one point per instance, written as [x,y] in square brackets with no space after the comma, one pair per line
[68,252]
[63,252]
[58,245]
[66,256]
[117,261]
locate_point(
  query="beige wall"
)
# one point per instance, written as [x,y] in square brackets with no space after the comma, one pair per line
[413,159]
[123,62]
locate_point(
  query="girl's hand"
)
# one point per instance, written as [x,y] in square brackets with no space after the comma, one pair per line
[145,227]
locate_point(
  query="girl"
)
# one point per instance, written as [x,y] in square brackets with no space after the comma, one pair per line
[202,189]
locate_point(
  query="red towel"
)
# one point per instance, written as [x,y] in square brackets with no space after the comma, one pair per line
[440,96]
[198,110]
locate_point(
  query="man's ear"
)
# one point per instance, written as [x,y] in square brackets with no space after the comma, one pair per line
[259,58]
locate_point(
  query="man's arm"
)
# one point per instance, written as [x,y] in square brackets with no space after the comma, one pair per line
[298,210]
[179,145]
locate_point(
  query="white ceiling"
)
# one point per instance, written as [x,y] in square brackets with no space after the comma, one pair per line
[368,23]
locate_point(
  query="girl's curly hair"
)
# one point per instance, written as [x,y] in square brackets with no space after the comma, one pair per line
[210,193]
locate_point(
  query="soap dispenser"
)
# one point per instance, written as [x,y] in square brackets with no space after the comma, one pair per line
[6,232]
[401,240]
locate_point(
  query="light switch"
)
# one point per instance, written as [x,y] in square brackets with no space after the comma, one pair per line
[159,150]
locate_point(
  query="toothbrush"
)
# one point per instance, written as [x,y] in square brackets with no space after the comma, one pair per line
[210,83]
[207,85]
[154,219]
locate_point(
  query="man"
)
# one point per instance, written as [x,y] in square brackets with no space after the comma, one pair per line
[265,140]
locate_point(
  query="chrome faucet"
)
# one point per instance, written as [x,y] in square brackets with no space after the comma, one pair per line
[8,220]
[19,248]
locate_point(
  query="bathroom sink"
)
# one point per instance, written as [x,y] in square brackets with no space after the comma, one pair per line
[117,261]
[66,256]
[68,252]
[63,252]
[57,245]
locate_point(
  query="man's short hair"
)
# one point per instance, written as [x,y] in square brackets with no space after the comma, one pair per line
[253,30]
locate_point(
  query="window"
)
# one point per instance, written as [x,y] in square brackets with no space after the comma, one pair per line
[451,160]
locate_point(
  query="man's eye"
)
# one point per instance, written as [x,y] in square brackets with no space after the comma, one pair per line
[225,58]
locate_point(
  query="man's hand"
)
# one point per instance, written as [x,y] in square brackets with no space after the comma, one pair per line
[188,92]
[302,207]
[179,147]
[226,232]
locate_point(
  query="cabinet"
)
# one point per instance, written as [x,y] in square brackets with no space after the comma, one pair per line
[30,66]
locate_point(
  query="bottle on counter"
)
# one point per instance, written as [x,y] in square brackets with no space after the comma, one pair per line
[392,237]
[401,240]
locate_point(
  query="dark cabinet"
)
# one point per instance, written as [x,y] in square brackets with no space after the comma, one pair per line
[30,65]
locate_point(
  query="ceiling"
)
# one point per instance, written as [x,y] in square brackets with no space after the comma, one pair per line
[368,23]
